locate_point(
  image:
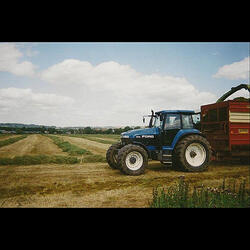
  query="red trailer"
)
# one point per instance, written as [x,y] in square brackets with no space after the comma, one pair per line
[226,125]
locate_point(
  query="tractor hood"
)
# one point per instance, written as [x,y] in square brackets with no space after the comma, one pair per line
[137,133]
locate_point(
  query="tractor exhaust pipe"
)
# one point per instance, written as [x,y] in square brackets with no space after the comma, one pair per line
[151,119]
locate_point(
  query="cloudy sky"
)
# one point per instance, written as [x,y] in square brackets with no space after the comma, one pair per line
[114,84]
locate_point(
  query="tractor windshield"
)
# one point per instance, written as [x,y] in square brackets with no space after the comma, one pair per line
[157,122]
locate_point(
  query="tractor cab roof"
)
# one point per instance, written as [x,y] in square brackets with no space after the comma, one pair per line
[175,112]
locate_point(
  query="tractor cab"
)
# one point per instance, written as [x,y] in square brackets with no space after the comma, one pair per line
[163,128]
[175,123]
[174,119]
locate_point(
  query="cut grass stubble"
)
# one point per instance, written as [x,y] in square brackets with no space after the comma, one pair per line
[104,140]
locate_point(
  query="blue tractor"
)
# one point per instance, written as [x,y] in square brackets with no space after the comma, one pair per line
[171,138]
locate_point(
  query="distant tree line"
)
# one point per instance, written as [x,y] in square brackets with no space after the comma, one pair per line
[89,130]
[22,130]
[86,130]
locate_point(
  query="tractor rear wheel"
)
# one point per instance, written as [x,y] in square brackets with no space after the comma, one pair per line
[111,155]
[193,154]
[132,159]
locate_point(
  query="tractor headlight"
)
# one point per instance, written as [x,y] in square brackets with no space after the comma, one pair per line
[124,136]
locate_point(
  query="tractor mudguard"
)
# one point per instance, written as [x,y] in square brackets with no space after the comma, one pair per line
[181,134]
[147,149]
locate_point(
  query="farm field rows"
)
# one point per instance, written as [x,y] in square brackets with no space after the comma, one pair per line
[91,184]
[32,145]
[106,139]
[92,146]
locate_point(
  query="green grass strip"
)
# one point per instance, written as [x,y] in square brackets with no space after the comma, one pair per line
[11,140]
[38,159]
[68,147]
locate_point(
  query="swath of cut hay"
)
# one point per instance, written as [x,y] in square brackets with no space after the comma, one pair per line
[34,149]
[31,145]
[98,138]
[74,149]
[93,147]
[11,140]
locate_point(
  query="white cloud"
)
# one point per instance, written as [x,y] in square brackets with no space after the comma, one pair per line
[10,57]
[114,94]
[235,71]
[29,96]
[23,105]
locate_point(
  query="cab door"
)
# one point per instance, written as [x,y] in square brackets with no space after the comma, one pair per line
[171,127]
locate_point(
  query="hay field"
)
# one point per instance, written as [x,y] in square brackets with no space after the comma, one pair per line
[32,145]
[91,184]
[5,137]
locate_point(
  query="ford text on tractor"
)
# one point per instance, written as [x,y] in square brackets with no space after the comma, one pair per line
[171,138]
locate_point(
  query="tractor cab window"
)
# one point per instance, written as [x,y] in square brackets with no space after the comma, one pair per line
[173,121]
[196,118]
[187,121]
[157,122]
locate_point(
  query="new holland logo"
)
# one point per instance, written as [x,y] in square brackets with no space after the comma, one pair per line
[147,136]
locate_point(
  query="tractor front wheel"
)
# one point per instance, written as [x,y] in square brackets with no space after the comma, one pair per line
[111,155]
[132,159]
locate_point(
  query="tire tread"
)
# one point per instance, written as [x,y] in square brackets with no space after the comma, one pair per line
[109,155]
[122,155]
[179,152]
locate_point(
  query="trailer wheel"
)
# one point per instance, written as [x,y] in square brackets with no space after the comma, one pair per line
[193,154]
[132,159]
[111,155]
